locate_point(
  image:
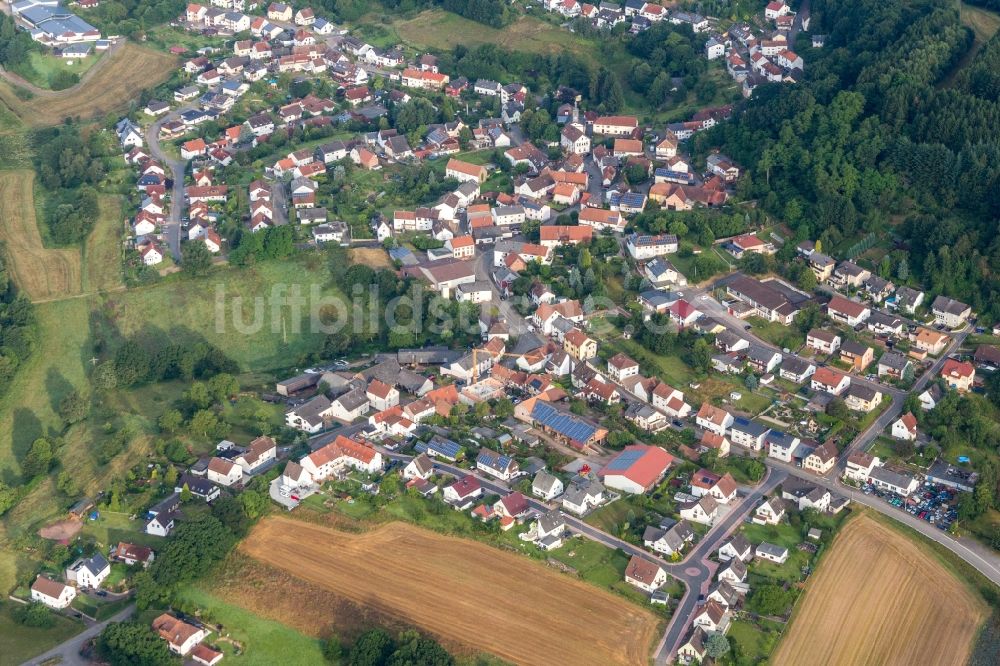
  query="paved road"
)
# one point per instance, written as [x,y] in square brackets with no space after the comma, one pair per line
[172,228]
[69,651]
[515,322]
[698,559]
[985,560]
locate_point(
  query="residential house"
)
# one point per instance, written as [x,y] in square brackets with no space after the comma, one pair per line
[582,496]
[831,381]
[223,472]
[949,312]
[748,433]
[772,552]
[770,512]
[847,311]
[703,511]
[737,546]
[496,464]
[668,541]
[859,356]
[645,574]
[823,341]
[181,636]
[546,486]
[929,341]
[905,427]
[860,465]
[893,365]
[714,419]
[88,572]
[958,375]
[52,593]
[822,458]
[862,398]
[713,618]
[733,572]
[886,479]
[131,554]
[419,467]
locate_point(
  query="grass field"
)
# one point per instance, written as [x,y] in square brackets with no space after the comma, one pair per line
[880,598]
[19,643]
[441,30]
[460,590]
[41,273]
[102,252]
[128,70]
[264,642]
[45,65]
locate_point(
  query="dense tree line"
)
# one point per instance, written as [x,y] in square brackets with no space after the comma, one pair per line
[18,334]
[494,13]
[134,364]
[537,71]
[873,136]
[15,45]
[70,164]
[133,17]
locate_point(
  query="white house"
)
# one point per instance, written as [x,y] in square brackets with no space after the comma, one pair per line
[905,427]
[223,472]
[546,486]
[420,467]
[772,552]
[704,511]
[645,574]
[89,571]
[52,593]
[770,511]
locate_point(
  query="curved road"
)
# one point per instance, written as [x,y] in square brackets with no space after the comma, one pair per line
[172,228]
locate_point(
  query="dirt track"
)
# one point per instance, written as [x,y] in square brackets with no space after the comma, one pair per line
[462,591]
[880,599]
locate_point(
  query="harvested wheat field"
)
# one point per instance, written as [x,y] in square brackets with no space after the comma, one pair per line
[879,598]
[41,273]
[461,591]
[118,79]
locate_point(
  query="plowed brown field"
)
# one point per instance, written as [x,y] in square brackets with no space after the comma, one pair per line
[462,591]
[879,599]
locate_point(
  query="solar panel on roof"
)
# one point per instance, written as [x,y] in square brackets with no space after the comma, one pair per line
[625,460]
[563,424]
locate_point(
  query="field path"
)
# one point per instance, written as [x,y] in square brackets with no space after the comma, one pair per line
[462,591]
[880,599]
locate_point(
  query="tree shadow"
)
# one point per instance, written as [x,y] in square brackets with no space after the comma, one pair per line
[58,387]
[27,428]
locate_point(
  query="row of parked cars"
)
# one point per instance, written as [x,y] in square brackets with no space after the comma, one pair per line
[934,503]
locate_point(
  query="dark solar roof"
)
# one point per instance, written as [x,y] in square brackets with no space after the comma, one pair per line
[564,424]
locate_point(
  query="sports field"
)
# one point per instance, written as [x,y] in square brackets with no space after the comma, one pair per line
[40,272]
[880,598]
[122,74]
[463,592]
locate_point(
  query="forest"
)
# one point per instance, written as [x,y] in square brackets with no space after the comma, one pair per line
[873,143]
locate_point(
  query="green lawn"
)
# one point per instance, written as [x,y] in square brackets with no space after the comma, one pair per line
[19,643]
[753,643]
[777,334]
[99,610]
[264,642]
[43,66]
[782,535]
[111,528]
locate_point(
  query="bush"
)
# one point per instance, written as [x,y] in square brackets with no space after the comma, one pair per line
[32,615]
